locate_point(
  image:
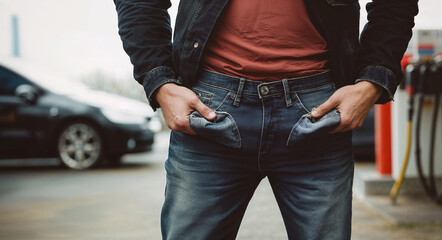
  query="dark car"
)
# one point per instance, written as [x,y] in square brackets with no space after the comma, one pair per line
[46,116]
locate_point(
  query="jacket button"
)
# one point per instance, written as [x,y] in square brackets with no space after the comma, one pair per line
[195,45]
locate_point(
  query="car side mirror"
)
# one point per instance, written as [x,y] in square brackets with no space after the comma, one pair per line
[27,92]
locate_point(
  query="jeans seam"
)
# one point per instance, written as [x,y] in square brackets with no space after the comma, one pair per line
[291,132]
[207,96]
[222,102]
[268,95]
[260,140]
[235,129]
[211,85]
[312,89]
[300,103]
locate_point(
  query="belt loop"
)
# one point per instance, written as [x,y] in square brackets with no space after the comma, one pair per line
[288,99]
[239,92]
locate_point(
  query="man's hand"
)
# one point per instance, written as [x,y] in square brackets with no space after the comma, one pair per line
[177,103]
[353,102]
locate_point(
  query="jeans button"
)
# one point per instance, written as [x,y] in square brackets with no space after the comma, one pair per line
[264,90]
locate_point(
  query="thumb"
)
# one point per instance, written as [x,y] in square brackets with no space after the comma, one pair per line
[205,111]
[324,108]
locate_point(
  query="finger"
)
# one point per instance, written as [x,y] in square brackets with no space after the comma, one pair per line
[340,128]
[360,123]
[181,124]
[205,111]
[344,125]
[324,108]
[188,130]
[337,129]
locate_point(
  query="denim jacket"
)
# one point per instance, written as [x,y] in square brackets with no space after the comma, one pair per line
[144,27]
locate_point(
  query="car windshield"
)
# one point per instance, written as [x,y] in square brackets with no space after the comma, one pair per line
[57,84]
[46,78]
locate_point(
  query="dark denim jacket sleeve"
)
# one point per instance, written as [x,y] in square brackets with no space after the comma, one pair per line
[383,42]
[144,28]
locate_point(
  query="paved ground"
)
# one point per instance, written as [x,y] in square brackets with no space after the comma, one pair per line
[44,202]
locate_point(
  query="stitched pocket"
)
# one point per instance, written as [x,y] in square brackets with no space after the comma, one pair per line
[308,129]
[204,96]
[213,97]
[311,98]
[222,130]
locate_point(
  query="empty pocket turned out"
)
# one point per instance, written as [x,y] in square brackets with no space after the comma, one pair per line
[222,130]
[309,129]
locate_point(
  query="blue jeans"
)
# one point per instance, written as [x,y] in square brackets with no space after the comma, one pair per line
[262,129]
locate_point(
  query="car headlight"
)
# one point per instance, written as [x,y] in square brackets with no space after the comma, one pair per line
[122,117]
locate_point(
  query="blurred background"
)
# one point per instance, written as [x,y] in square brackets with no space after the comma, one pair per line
[50,48]
[78,41]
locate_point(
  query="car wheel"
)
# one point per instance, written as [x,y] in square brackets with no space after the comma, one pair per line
[80,146]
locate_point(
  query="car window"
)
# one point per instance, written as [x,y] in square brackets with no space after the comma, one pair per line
[9,81]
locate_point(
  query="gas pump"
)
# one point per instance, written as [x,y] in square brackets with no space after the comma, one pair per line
[412,72]
[430,82]
[422,78]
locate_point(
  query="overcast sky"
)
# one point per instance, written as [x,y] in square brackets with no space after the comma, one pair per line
[80,36]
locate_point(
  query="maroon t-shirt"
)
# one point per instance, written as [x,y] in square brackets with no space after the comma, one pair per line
[265,40]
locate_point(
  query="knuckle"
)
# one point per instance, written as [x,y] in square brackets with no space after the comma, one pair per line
[194,101]
[321,109]
[326,103]
[177,124]
[206,109]
[169,124]
[334,98]
[346,121]
[180,124]
[173,126]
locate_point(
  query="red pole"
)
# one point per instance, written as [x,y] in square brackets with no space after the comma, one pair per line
[383,141]
[382,121]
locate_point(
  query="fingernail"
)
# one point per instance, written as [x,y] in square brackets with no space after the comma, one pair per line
[315,112]
[212,115]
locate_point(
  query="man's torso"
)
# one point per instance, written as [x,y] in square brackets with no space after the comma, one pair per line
[262,40]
